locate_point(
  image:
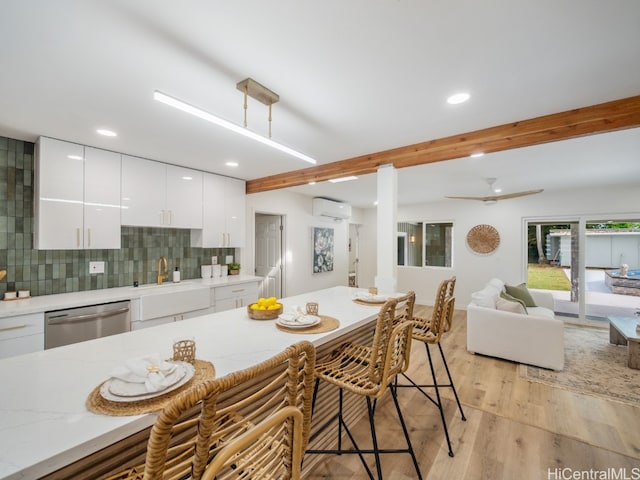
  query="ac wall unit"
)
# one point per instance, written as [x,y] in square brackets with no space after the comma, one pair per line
[330,208]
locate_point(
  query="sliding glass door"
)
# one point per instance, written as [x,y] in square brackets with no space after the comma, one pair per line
[588,264]
[612,254]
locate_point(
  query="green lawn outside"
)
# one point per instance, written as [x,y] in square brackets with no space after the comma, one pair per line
[547,277]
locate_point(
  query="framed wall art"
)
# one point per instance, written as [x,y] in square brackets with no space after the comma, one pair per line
[322,250]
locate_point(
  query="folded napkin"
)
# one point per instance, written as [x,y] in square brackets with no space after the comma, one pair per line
[296,312]
[151,370]
[296,316]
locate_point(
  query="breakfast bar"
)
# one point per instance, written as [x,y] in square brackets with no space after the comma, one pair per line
[45,425]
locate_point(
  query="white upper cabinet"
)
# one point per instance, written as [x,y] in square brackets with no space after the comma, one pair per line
[77,196]
[235,212]
[155,194]
[143,192]
[101,198]
[224,205]
[184,197]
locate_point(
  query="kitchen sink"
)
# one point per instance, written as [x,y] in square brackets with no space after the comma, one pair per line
[160,300]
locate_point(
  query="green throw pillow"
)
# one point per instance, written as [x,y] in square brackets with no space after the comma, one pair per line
[510,298]
[522,292]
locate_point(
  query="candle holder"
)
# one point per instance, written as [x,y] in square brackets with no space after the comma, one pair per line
[312,308]
[184,350]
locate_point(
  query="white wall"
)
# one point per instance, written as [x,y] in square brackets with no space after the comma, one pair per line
[298,241]
[507,216]
[472,270]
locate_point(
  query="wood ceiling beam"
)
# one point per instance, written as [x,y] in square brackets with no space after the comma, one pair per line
[605,117]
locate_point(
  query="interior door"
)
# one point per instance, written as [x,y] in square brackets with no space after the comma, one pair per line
[269,254]
[354,253]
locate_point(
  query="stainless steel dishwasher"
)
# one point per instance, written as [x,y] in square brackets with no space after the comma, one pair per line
[73,325]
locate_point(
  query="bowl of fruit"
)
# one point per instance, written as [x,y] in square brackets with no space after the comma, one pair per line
[264,309]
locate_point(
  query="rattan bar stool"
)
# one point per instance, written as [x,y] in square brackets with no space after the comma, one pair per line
[430,332]
[368,371]
[258,432]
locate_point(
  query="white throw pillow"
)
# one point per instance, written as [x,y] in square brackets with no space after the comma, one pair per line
[509,306]
[486,297]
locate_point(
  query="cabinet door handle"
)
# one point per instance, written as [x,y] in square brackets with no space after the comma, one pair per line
[89,237]
[238,291]
[161,217]
[78,237]
[15,327]
[222,245]
[170,217]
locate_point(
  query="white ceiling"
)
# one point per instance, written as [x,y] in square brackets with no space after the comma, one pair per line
[353,77]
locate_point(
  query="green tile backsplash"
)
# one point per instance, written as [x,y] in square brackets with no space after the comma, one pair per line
[45,272]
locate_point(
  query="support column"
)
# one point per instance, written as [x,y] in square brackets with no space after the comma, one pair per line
[387,250]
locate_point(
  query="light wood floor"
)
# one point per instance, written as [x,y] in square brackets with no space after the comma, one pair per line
[514,429]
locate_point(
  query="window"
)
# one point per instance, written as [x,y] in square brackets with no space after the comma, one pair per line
[438,244]
[423,244]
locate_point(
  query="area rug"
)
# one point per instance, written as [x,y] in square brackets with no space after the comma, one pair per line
[592,366]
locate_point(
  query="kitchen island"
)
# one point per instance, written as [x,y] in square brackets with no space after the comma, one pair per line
[44,424]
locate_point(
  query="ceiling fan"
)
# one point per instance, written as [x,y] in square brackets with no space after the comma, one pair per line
[491,199]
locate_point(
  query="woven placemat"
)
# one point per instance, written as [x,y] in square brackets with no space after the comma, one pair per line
[326,325]
[369,304]
[96,403]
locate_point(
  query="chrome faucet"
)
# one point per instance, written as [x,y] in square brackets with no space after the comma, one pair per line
[163,271]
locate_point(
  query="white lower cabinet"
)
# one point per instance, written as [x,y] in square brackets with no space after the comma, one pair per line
[154,322]
[235,296]
[21,334]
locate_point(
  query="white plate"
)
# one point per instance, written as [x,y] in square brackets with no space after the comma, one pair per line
[304,321]
[188,372]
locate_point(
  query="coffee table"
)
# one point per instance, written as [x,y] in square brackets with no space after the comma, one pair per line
[622,331]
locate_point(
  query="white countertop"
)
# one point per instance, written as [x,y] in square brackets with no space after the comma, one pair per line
[44,424]
[44,303]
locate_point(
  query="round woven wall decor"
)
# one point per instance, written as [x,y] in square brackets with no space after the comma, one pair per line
[483,238]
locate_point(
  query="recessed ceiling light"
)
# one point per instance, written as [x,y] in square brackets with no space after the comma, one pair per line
[231,164]
[74,157]
[187,178]
[343,179]
[477,154]
[106,133]
[311,183]
[376,202]
[458,98]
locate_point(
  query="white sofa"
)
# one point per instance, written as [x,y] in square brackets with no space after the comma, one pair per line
[534,338]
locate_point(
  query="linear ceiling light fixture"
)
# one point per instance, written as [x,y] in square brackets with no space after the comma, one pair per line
[209,117]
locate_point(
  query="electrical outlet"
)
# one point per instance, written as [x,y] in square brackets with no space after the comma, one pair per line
[96,267]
